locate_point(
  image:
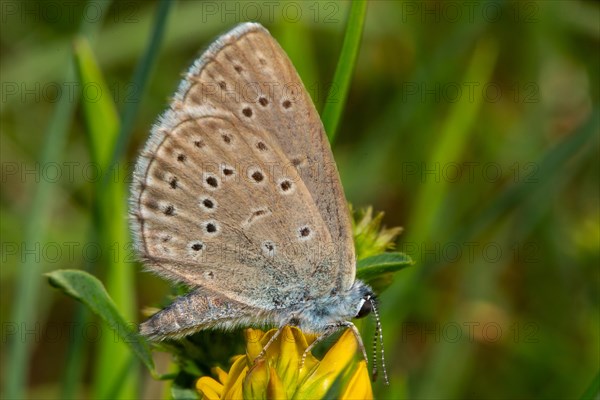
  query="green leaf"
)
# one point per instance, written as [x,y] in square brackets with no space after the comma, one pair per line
[378,271]
[334,105]
[87,289]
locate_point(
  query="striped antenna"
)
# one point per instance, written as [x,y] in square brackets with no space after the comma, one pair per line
[379,333]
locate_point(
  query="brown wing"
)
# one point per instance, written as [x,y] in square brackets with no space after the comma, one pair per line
[236,189]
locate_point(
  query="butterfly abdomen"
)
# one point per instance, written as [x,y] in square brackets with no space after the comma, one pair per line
[196,311]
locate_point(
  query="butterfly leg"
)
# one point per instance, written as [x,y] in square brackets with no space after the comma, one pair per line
[273,338]
[328,332]
[293,321]
[358,338]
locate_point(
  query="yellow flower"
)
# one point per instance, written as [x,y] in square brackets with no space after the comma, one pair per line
[342,373]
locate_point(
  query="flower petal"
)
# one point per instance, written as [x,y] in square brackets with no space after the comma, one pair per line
[221,375]
[254,343]
[254,385]
[275,388]
[273,350]
[310,363]
[278,375]
[235,392]
[340,354]
[237,373]
[359,385]
[292,346]
[317,383]
[209,388]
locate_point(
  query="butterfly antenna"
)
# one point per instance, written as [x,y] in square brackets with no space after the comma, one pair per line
[379,333]
[374,359]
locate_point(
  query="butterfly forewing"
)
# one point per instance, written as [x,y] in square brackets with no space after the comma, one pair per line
[226,192]
[298,129]
[264,77]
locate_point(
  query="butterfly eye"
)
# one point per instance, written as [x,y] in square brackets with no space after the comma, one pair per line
[365,309]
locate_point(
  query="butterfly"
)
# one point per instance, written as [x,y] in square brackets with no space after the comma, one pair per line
[236,194]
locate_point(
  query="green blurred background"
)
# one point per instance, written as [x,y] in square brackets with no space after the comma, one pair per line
[474,125]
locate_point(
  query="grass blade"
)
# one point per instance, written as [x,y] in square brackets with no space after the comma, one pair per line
[343,73]
[140,78]
[101,117]
[24,311]
[449,145]
[551,165]
[108,140]
[29,280]
[102,125]
[76,356]
[451,141]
